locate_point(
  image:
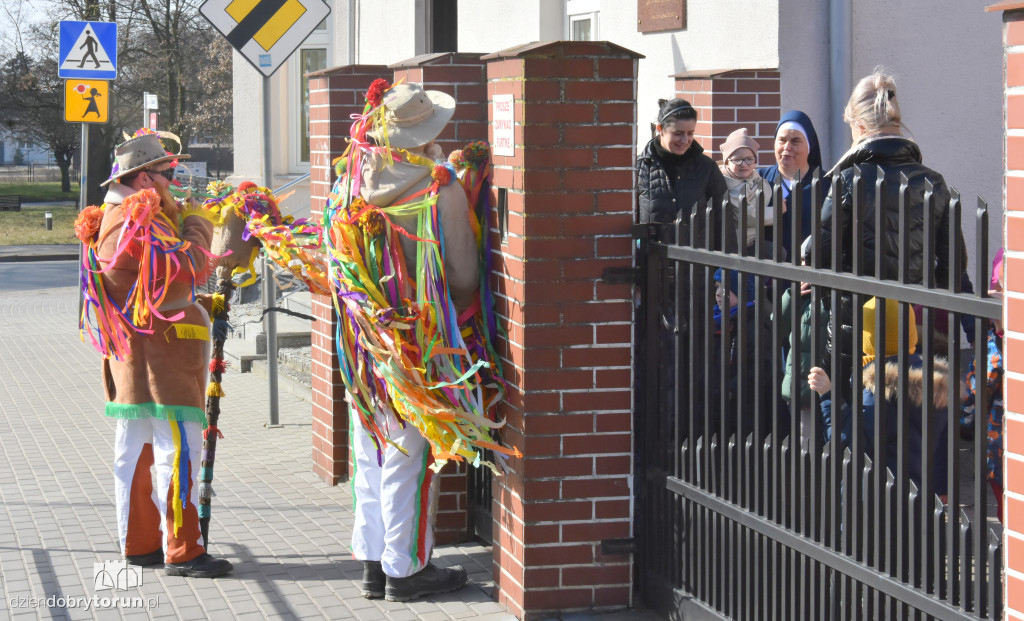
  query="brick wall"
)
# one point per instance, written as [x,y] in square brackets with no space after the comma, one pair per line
[1013,425]
[334,94]
[567,358]
[728,100]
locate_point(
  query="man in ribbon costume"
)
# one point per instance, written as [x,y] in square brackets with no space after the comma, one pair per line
[393,532]
[141,265]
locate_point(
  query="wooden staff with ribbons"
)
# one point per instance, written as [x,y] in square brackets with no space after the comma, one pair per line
[214,392]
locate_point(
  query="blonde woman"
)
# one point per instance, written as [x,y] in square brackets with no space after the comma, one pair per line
[876,126]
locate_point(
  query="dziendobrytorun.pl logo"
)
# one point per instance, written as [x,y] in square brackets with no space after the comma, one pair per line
[107,576]
[96,602]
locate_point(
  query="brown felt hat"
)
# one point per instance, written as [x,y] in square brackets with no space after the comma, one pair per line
[139,153]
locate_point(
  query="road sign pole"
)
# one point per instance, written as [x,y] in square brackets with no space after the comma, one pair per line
[83,192]
[269,285]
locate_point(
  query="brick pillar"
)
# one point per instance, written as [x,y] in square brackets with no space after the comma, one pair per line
[569,189]
[334,94]
[462,77]
[1013,311]
[728,100]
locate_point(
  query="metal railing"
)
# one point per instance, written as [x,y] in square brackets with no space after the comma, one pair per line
[34,173]
[752,507]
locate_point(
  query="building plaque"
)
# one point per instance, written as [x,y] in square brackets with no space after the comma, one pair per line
[504,115]
[660,15]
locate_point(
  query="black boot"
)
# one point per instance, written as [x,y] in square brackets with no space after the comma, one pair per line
[374,580]
[202,566]
[428,581]
[155,557]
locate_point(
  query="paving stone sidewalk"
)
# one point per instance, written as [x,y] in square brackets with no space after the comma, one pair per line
[285,531]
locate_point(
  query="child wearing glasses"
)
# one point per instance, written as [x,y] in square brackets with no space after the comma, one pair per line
[739,166]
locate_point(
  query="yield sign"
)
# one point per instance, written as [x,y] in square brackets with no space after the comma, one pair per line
[266,32]
[88,50]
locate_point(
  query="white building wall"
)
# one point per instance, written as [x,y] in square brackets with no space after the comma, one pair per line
[388,30]
[949,75]
[491,25]
[804,65]
[720,34]
[246,109]
[947,60]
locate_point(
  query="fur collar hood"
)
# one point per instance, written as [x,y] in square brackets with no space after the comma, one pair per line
[915,382]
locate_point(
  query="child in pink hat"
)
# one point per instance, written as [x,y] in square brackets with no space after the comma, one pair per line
[739,166]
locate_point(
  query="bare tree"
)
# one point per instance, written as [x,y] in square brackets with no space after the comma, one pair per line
[164,47]
[33,100]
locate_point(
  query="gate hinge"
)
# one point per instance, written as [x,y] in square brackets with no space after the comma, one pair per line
[611,547]
[619,275]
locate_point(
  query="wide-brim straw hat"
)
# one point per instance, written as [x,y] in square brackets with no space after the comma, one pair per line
[413,116]
[139,153]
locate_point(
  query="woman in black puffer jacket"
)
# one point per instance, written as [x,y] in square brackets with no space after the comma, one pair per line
[674,175]
[674,179]
[874,116]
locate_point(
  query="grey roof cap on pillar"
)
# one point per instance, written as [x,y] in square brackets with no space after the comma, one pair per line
[714,73]
[344,69]
[540,48]
[426,59]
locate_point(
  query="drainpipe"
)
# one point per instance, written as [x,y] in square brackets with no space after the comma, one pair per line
[840,25]
[351,58]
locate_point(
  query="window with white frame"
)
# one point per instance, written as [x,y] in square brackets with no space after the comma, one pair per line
[581,22]
[312,56]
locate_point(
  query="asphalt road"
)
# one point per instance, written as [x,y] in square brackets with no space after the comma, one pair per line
[33,275]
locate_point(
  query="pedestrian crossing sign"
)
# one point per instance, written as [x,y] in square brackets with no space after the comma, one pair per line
[86,101]
[265,32]
[88,50]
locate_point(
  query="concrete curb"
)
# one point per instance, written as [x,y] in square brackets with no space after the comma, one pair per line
[55,252]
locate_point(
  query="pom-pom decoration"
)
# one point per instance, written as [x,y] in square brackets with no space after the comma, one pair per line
[456,159]
[219,188]
[142,206]
[476,155]
[443,173]
[375,94]
[87,225]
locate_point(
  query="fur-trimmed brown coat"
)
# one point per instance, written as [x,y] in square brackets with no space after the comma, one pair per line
[165,375]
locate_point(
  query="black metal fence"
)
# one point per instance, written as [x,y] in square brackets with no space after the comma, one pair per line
[750,506]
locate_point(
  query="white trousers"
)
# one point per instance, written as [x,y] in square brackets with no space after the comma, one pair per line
[146,515]
[394,499]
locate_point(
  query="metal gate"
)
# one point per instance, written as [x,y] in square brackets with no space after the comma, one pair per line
[738,514]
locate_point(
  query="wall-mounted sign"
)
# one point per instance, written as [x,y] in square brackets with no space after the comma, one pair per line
[504,120]
[660,15]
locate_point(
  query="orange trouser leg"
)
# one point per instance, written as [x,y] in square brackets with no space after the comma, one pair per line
[185,544]
[143,517]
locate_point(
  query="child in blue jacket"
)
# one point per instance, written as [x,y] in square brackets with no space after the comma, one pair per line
[819,382]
